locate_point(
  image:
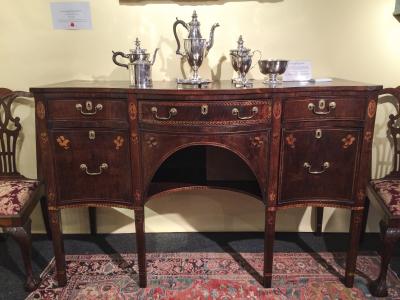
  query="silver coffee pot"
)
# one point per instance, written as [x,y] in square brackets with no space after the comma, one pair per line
[139,65]
[241,59]
[196,48]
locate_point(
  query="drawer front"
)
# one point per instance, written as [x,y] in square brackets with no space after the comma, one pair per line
[216,113]
[92,166]
[324,108]
[87,109]
[319,164]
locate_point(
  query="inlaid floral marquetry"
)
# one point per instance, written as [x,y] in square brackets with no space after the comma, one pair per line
[44,139]
[256,142]
[348,141]
[368,136]
[291,141]
[40,110]
[132,111]
[119,142]
[371,108]
[63,142]
[151,142]
[134,138]
[277,110]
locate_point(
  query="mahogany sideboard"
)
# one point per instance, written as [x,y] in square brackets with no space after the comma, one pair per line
[308,144]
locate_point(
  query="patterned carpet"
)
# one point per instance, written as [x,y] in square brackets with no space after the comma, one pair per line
[212,276]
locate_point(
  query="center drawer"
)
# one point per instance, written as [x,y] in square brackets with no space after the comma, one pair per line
[205,113]
[91,166]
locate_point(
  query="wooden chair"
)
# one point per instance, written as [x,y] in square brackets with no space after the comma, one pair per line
[386,192]
[18,195]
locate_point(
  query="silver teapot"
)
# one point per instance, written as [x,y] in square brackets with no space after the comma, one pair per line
[139,65]
[196,48]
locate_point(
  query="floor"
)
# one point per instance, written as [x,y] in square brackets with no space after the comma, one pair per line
[12,272]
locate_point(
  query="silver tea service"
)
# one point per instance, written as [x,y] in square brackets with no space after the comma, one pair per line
[139,65]
[272,68]
[196,48]
[241,59]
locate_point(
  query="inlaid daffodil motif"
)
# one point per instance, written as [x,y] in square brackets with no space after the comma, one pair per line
[348,141]
[119,141]
[63,142]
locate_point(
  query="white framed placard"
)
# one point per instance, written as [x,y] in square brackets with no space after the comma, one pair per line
[298,70]
[71,15]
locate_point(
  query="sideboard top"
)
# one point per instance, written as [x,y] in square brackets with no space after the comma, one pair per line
[225,86]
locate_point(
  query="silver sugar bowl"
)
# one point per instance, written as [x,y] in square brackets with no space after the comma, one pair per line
[272,68]
[241,59]
[139,65]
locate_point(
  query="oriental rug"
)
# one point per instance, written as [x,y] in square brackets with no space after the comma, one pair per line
[212,276]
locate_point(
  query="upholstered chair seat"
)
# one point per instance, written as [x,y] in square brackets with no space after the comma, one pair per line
[14,194]
[389,191]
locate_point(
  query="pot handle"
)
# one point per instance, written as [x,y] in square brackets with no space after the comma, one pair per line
[259,52]
[114,58]
[177,22]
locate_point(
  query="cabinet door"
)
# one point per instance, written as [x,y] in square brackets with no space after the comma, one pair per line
[92,166]
[319,164]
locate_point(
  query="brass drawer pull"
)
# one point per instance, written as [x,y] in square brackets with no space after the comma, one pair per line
[324,166]
[89,108]
[102,167]
[172,112]
[321,105]
[254,111]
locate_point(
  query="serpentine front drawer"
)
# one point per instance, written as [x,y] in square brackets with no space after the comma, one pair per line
[319,164]
[204,114]
[87,109]
[324,108]
[91,166]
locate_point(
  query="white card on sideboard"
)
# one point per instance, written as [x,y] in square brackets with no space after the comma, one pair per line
[298,70]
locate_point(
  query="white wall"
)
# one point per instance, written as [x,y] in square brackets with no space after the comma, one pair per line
[352,39]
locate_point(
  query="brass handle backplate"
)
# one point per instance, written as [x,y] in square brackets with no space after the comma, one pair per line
[89,108]
[321,106]
[172,112]
[102,167]
[236,113]
[324,166]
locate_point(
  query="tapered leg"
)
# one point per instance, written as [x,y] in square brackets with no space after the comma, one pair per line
[355,231]
[365,219]
[92,220]
[58,246]
[269,237]
[43,206]
[318,220]
[22,236]
[141,245]
[378,287]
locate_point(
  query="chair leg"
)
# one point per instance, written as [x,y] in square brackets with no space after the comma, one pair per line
[92,220]
[318,220]
[365,219]
[22,235]
[45,213]
[378,287]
